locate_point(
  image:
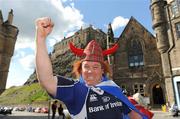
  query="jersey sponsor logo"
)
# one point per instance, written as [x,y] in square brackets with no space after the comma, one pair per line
[116,104]
[104,107]
[97,90]
[96,109]
[93,97]
[105,99]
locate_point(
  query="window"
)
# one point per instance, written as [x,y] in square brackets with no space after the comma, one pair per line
[123,86]
[135,54]
[139,88]
[152,12]
[136,90]
[175,8]
[178,29]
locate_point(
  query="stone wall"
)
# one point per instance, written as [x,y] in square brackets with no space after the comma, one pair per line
[8,36]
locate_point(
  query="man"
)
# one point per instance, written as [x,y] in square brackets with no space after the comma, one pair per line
[60,111]
[93,96]
[54,107]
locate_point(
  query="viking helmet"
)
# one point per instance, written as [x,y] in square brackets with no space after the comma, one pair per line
[93,51]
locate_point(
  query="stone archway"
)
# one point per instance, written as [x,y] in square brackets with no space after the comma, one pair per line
[158,96]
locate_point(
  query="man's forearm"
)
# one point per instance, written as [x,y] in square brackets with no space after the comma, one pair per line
[43,63]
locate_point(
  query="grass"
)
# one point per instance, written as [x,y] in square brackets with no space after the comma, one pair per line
[27,94]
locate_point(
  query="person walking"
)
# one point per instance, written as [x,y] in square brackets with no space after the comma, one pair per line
[60,111]
[54,107]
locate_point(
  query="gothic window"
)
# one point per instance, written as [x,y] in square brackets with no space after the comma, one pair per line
[135,54]
[123,86]
[175,7]
[152,12]
[157,37]
[139,88]
[178,29]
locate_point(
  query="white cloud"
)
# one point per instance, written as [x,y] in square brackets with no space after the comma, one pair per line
[70,34]
[66,19]
[66,0]
[18,54]
[28,62]
[26,12]
[23,42]
[119,22]
[52,41]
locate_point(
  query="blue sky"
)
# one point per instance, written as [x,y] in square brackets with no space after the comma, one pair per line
[68,16]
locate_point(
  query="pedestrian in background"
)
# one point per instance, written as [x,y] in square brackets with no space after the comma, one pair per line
[60,111]
[54,107]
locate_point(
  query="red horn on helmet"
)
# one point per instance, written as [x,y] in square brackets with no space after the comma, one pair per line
[110,50]
[75,50]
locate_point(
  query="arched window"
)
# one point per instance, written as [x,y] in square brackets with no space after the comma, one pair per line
[178,29]
[175,8]
[135,54]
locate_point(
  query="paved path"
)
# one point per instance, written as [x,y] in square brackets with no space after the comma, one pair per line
[28,115]
[24,115]
[163,115]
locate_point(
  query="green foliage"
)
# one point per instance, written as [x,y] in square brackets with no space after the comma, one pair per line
[27,94]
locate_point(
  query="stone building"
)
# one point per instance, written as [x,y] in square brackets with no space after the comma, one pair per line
[8,36]
[137,63]
[80,39]
[166,24]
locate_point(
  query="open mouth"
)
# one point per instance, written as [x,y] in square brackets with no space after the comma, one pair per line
[90,78]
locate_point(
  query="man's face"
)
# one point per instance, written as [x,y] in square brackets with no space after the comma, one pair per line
[92,72]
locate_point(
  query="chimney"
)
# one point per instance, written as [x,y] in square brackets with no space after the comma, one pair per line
[1,18]
[10,17]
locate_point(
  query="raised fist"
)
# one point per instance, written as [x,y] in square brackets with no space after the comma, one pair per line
[44,27]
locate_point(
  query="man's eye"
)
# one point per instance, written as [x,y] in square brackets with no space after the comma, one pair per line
[86,67]
[95,67]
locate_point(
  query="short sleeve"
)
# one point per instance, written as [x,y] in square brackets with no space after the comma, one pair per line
[72,93]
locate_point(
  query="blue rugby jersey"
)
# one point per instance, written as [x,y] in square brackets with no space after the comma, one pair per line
[90,102]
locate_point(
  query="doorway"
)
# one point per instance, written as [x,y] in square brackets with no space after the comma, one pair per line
[158,97]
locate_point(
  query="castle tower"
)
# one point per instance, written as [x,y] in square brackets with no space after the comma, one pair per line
[160,26]
[110,42]
[1,18]
[173,15]
[8,36]
[10,17]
